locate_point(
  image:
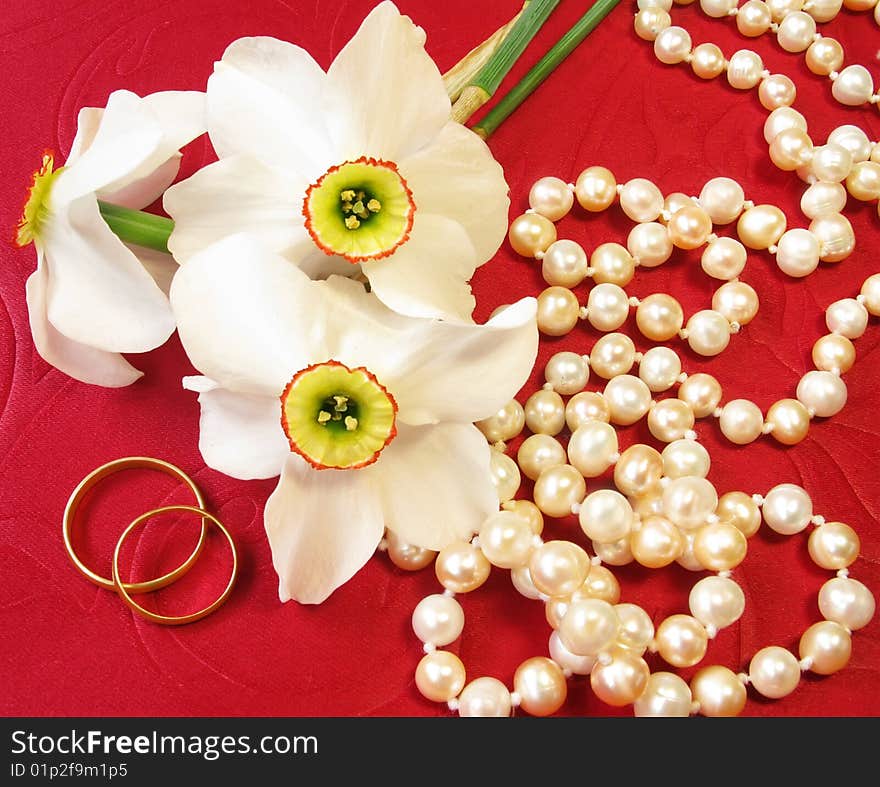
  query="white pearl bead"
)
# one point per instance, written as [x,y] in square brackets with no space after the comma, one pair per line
[708,332]
[650,22]
[717,8]
[567,372]
[588,626]
[438,619]
[650,244]
[847,317]
[741,421]
[847,601]
[836,237]
[717,601]
[607,307]
[722,199]
[564,264]
[551,197]
[506,539]
[505,475]
[689,501]
[823,198]
[831,163]
[798,253]
[640,199]
[744,69]
[672,46]
[659,368]
[584,407]
[522,581]
[871,293]
[854,140]
[636,628]
[685,458]
[484,697]
[779,9]
[823,393]
[545,412]
[628,399]
[670,419]
[787,509]
[579,665]
[666,695]
[592,448]
[774,672]
[645,4]
[605,516]
[854,86]
[781,119]
[558,568]
[506,424]
[824,10]
[724,258]
[796,32]
[538,452]
[612,354]
[617,553]
[736,301]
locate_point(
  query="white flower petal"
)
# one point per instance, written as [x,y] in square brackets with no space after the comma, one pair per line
[98,292]
[158,264]
[147,190]
[385,96]
[83,363]
[323,525]
[247,317]
[428,275]
[457,177]
[241,434]
[87,122]
[264,101]
[237,194]
[435,484]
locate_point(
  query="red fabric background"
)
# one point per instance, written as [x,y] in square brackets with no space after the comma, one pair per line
[69,648]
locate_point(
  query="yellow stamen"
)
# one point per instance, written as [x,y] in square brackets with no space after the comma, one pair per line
[351,423]
[374,206]
[341,403]
[352,223]
[323,417]
[347,196]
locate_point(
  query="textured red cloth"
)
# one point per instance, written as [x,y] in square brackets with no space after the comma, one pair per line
[69,648]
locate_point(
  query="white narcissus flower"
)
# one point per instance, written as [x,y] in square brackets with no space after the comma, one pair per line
[360,166]
[92,297]
[367,414]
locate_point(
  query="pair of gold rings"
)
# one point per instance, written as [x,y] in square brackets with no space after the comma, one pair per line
[127,589]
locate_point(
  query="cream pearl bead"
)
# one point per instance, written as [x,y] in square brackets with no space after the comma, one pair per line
[689,501]
[577,665]
[736,301]
[505,475]
[407,556]
[538,452]
[670,419]
[689,227]
[741,421]
[638,470]
[650,244]
[681,640]
[612,264]
[528,511]
[854,140]
[622,680]
[506,540]
[741,511]
[863,181]
[558,489]
[787,509]
[666,695]
[440,676]
[605,516]
[551,197]
[847,317]
[824,56]
[774,672]
[484,697]
[628,399]
[545,412]
[859,5]
[720,546]
[831,163]
[722,199]
[601,584]
[640,199]
[824,10]
[636,628]
[674,202]
[685,458]
[753,19]
[461,567]
[656,542]
[853,86]
[821,198]
[846,601]
[588,626]
[558,568]
[564,264]
[541,686]
[648,504]
[522,581]
[717,8]
[531,233]
[797,253]
[744,69]
[796,32]
[833,353]
[607,307]
[871,293]
[718,691]
[558,311]
[702,392]
[438,620]
[836,237]
[659,317]
[506,424]
[595,189]
[780,119]
[779,9]
[687,559]
[616,553]
[650,22]
[660,368]
[612,355]
[585,407]
[717,601]
[834,545]
[593,448]
[789,421]
[708,333]
[822,393]
[777,90]
[827,645]
[671,46]
[555,609]
[567,372]
[762,226]
[791,149]
[707,61]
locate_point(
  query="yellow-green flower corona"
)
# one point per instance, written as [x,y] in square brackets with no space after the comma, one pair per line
[36,207]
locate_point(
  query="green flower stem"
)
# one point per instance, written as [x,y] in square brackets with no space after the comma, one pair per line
[561,50]
[138,227]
